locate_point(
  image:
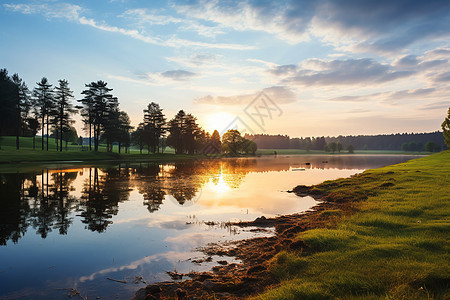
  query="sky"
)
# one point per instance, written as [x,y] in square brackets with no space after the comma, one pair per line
[301,68]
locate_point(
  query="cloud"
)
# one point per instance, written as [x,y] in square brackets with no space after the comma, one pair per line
[444,77]
[158,78]
[393,97]
[71,12]
[407,61]
[178,75]
[67,11]
[171,42]
[438,53]
[283,70]
[144,17]
[354,98]
[288,21]
[440,105]
[383,26]
[339,72]
[195,60]
[131,33]
[279,94]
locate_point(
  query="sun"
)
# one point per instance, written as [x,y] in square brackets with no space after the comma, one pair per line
[218,121]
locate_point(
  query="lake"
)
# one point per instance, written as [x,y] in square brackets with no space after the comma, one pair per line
[73,228]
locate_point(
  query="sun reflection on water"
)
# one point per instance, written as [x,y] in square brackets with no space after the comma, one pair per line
[220,186]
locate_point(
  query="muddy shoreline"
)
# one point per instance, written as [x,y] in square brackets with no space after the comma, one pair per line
[252,276]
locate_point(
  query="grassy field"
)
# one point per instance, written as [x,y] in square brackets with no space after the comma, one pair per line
[396,246]
[26,143]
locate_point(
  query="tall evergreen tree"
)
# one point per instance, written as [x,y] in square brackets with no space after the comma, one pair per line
[22,105]
[191,133]
[123,137]
[215,143]
[8,101]
[87,110]
[446,129]
[175,128]
[44,100]
[63,109]
[184,133]
[154,126]
[98,103]
[137,137]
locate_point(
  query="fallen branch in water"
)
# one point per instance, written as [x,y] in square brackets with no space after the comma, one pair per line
[112,279]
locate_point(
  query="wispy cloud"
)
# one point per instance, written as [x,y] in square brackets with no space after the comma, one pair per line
[439,105]
[157,78]
[279,94]
[394,97]
[145,17]
[196,60]
[339,72]
[287,21]
[71,12]
[178,75]
[67,11]
[382,26]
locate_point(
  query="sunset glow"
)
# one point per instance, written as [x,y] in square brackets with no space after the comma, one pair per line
[219,121]
[330,66]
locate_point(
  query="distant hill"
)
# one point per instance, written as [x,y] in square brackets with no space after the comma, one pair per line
[359,142]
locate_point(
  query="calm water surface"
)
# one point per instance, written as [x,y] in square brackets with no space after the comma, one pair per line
[64,228]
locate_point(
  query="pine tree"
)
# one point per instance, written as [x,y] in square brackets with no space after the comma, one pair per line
[87,110]
[63,109]
[22,105]
[446,129]
[44,100]
[98,104]
[7,102]
[191,133]
[175,138]
[124,130]
[216,144]
[154,126]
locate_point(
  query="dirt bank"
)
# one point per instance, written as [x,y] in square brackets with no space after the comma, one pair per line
[252,276]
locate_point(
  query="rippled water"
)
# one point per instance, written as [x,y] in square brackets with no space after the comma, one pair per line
[65,228]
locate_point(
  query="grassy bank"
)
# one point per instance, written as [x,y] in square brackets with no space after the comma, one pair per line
[26,154]
[395,246]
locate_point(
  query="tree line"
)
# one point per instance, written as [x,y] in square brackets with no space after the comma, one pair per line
[432,142]
[50,109]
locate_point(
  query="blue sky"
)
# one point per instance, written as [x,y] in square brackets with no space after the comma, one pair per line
[330,67]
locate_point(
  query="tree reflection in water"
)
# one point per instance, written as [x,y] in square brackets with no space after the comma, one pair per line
[48,200]
[101,196]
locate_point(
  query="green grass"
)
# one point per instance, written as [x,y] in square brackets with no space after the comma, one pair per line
[396,246]
[12,159]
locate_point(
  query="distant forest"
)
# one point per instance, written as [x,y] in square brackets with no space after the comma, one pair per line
[398,141]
